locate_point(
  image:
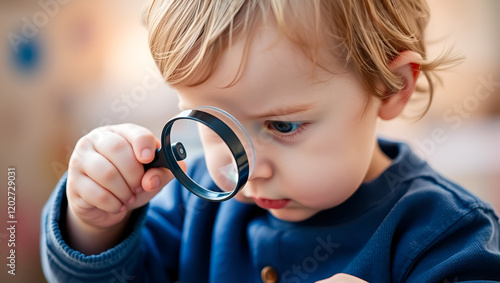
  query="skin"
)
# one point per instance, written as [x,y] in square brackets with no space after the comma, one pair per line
[342,278]
[328,149]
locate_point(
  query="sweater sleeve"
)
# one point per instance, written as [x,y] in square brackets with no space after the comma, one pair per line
[468,250]
[135,259]
[446,234]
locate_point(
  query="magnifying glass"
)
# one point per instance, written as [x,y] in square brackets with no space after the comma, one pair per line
[212,137]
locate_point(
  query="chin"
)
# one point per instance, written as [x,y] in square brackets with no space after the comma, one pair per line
[292,215]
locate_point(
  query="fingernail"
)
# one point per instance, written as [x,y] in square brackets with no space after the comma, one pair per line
[146,153]
[131,200]
[154,182]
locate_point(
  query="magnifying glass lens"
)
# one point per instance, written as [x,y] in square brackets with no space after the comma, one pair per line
[202,146]
[214,145]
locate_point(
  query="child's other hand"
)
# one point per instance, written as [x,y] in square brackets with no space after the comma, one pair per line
[342,278]
[106,181]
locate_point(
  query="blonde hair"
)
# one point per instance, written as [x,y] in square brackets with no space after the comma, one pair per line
[187,38]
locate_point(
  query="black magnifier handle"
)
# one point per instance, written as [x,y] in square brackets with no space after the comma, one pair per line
[178,151]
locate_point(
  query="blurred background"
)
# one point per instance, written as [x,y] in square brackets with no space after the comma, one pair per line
[67,67]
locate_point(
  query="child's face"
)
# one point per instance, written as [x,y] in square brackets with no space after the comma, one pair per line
[314,140]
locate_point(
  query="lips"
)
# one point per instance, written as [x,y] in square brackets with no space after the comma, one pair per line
[271,203]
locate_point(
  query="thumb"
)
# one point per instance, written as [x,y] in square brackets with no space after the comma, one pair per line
[156,178]
[152,181]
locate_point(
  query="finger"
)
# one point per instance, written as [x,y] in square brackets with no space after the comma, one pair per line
[83,148]
[156,178]
[88,194]
[342,278]
[104,173]
[119,152]
[183,166]
[143,142]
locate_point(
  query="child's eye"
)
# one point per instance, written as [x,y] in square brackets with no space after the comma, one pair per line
[284,127]
[286,130]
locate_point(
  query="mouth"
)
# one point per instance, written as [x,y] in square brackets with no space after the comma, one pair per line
[271,203]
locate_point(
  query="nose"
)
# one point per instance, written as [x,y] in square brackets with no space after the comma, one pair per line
[262,172]
[263,168]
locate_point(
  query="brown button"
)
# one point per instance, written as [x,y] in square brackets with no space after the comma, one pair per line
[269,275]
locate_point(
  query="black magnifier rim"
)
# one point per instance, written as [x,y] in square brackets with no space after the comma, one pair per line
[227,135]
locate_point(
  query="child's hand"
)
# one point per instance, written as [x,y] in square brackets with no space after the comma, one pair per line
[342,278]
[106,181]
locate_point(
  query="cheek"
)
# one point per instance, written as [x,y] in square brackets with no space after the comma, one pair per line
[222,168]
[219,161]
[324,183]
[326,178]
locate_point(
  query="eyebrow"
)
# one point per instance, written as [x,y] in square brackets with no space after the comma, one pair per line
[286,110]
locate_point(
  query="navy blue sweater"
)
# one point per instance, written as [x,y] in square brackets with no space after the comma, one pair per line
[408,225]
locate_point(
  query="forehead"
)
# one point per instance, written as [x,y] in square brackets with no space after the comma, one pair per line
[275,69]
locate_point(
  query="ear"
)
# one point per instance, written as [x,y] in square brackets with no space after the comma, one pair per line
[407,65]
